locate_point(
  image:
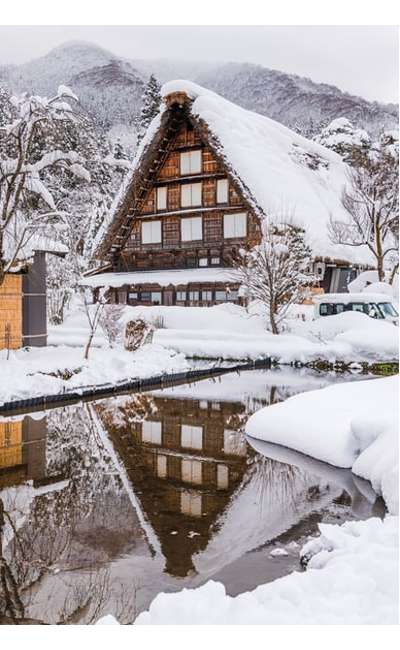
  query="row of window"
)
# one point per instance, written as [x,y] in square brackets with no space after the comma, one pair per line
[191,194]
[235,226]
[155,297]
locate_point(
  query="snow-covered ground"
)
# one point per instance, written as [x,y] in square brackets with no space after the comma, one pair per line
[229,331]
[350,580]
[28,372]
[352,570]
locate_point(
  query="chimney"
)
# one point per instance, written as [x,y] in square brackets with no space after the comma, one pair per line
[179,99]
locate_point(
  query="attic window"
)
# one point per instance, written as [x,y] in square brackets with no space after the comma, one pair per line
[192,229]
[222,191]
[235,225]
[190,195]
[151,232]
[191,162]
[161,198]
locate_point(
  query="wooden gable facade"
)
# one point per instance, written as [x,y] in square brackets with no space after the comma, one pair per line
[183,211]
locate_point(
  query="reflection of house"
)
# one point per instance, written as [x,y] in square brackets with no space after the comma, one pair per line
[22,450]
[184,465]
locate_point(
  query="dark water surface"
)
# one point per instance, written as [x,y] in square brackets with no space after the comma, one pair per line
[106,504]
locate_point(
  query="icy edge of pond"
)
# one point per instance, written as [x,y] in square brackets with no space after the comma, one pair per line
[348,425]
[350,579]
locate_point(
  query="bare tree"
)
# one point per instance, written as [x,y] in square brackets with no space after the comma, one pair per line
[27,157]
[94,313]
[275,272]
[372,203]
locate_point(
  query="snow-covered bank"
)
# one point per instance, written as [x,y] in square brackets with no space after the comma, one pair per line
[351,578]
[354,345]
[353,425]
[231,332]
[29,372]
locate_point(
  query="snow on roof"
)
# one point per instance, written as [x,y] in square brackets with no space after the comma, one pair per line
[345,298]
[162,278]
[29,247]
[282,171]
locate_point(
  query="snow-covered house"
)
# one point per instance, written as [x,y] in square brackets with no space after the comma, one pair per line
[206,174]
[23,293]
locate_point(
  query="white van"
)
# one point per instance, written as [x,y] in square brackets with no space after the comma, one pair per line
[375,305]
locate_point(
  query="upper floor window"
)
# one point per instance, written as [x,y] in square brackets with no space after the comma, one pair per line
[222,191]
[161,198]
[151,232]
[192,229]
[235,225]
[190,195]
[191,162]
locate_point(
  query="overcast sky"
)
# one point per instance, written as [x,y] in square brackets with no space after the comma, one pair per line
[359,59]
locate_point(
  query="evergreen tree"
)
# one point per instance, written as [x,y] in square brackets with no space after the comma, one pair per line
[352,144]
[151,104]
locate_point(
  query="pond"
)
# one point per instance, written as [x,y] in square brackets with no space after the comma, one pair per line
[106,504]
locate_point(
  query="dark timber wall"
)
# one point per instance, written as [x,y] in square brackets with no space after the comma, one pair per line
[34,325]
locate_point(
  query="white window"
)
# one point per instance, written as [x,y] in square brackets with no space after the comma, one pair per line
[181,296]
[191,471]
[215,260]
[192,228]
[190,195]
[151,232]
[161,466]
[235,225]
[191,162]
[191,437]
[193,296]
[203,261]
[222,477]
[222,191]
[190,503]
[161,198]
[156,297]
[206,296]
[151,432]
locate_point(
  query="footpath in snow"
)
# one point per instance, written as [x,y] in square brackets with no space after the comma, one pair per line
[352,570]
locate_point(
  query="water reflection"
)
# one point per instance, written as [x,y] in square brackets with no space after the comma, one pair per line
[104,505]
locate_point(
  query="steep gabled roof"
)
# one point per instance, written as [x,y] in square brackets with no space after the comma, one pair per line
[276,171]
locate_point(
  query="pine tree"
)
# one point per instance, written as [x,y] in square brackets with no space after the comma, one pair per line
[151,104]
[352,144]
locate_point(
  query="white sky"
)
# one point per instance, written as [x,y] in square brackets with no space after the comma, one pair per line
[359,59]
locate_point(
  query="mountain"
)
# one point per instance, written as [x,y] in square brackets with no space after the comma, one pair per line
[110,88]
[297,102]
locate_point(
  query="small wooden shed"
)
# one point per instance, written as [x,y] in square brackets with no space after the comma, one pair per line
[23,320]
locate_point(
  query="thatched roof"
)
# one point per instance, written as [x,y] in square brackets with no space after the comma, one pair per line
[273,169]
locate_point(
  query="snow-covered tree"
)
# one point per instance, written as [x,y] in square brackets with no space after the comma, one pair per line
[151,104]
[350,143]
[372,202]
[276,271]
[29,155]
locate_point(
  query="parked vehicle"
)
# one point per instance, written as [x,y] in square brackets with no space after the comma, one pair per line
[377,305]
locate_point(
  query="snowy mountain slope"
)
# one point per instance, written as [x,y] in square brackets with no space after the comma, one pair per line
[109,82]
[295,101]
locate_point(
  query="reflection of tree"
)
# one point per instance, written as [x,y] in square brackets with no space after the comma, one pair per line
[46,539]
